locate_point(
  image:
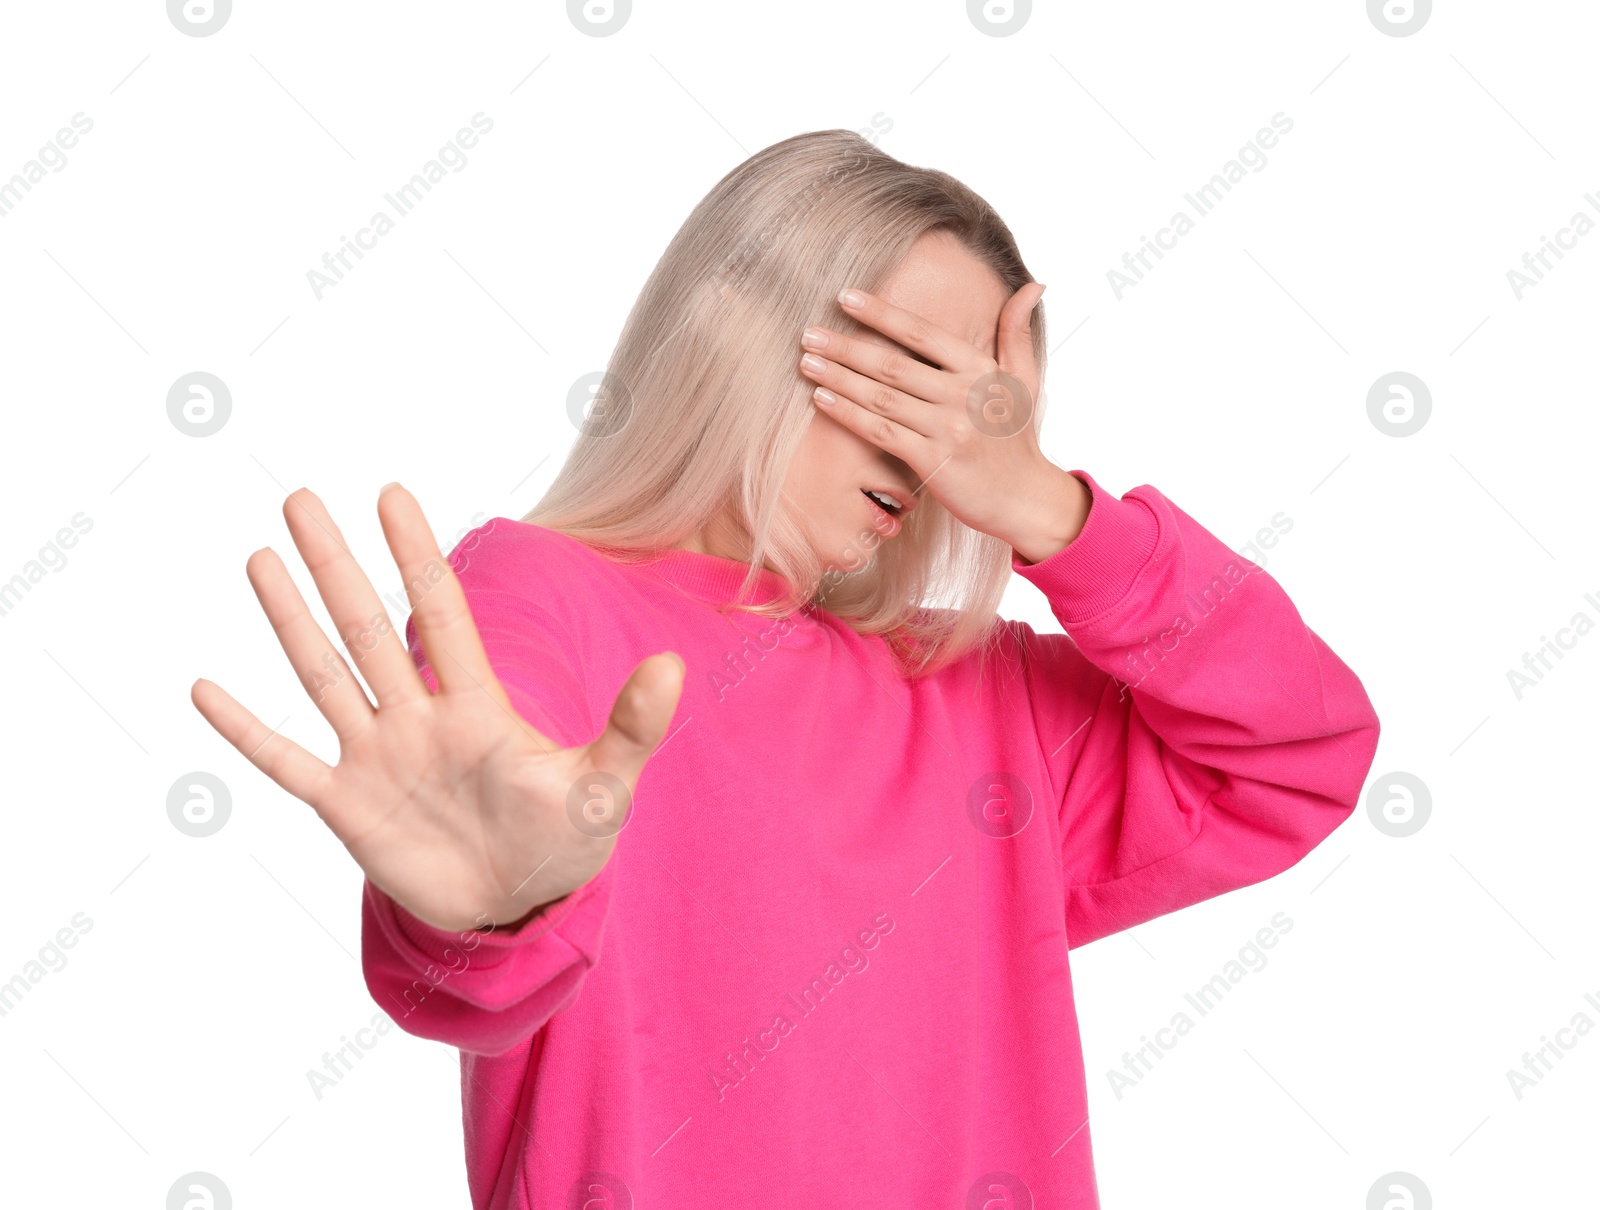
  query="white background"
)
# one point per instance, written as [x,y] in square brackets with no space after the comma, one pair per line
[1234,377]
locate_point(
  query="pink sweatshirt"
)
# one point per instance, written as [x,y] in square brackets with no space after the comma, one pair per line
[828,962]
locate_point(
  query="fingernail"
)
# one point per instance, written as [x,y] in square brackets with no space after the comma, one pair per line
[824,396]
[851,298]
[387,487]
[814,338]
[814,364]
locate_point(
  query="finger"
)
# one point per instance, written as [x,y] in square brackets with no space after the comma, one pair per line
[352,602]
[323,673]
[283,760]
[885,363]
[903,443]
[915,414]
[1015,338]
[444,622]
[911,330]
[639,717]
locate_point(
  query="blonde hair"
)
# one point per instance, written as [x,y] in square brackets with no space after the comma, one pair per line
[702,407]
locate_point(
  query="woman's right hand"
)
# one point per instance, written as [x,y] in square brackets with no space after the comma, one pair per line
[448,800]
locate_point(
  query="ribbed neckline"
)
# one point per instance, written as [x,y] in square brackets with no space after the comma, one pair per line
[715,579]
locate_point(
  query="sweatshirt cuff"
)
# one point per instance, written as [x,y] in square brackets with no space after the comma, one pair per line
[1099,567]
[497,945]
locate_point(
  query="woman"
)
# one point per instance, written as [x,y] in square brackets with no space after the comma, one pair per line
[726,831]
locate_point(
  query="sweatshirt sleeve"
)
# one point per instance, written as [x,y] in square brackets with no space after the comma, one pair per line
[1198,735]
[485,991]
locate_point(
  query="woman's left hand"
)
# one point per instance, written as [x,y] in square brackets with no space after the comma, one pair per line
[964,425]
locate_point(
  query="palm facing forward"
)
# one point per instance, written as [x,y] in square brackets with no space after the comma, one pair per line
[448,800]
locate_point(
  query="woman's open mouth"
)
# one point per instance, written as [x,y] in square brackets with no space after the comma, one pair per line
[887,509]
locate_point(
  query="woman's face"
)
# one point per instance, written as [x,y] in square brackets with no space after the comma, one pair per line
[834,469]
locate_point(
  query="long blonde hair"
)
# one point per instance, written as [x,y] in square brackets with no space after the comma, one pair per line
[702,407]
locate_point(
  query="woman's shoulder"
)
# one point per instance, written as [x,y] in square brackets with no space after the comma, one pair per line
[508,556]
[509,567]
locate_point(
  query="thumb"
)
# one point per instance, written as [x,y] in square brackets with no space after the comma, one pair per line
[639,717]
[1014,343]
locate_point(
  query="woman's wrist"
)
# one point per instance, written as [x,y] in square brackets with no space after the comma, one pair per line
[1051,513]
